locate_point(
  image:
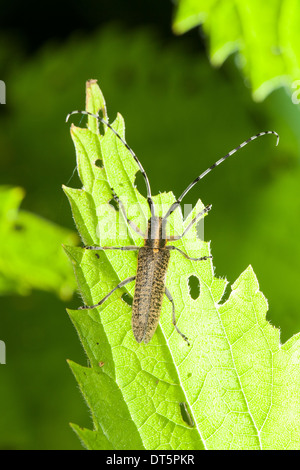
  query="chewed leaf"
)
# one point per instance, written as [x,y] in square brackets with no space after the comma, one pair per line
[234,387]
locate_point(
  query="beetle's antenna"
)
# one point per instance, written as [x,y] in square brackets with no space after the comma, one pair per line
[190,186]
[149,196]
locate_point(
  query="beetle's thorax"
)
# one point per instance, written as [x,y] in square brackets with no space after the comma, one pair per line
[156,233]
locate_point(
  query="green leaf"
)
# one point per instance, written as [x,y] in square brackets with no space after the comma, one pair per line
[235,387]
[265,34]
[31,255]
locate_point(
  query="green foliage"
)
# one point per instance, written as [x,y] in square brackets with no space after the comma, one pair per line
[266,35]
[31,256]
[212,112]
[32,261]
[181,116]
[240,386]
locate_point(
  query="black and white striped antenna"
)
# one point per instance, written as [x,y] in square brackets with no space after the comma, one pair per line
[191,185]
[174,206]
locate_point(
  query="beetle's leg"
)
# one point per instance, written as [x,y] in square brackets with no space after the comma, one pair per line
[130,223]
[168,294]
[204,211]
[122,284]
[124,248]
[203,258]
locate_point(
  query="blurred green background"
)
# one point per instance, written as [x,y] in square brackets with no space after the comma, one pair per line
[181,115]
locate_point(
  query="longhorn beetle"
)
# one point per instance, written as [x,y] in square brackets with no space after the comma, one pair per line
[154,256]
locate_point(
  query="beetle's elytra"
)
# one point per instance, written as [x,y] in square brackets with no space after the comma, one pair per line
[149,291]
[154,256]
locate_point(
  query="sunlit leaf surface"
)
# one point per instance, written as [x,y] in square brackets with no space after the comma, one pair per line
[235,387]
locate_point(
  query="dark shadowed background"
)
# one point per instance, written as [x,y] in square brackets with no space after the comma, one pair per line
[181,115]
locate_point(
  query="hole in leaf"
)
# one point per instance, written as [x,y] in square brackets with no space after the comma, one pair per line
[98,163]
[139,182]
[127,298]
[186,415]
[226,294]
[114,203]
[102,127]
[194,287]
